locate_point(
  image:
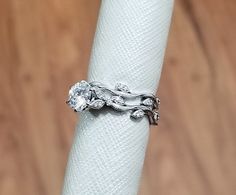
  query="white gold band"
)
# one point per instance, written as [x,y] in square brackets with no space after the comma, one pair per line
[95,95]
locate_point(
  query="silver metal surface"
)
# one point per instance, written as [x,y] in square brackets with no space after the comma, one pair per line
[95,95]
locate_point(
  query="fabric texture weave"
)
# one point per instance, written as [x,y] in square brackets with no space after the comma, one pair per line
[109,148]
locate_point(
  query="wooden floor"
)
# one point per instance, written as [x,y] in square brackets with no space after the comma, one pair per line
[44,47]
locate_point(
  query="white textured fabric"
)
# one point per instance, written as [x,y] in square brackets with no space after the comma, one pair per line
[109,148]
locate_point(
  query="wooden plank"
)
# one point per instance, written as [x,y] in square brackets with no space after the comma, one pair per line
[45,46]
[193,151]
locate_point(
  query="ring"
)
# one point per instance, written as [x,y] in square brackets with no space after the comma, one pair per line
[95,95]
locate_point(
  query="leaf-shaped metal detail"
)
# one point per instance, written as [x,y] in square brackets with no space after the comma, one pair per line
[122,87]
[117,107]
[138,114]
[109,102]
[102,94]
[96,104]
[148,102]
[118,100]
[156,116]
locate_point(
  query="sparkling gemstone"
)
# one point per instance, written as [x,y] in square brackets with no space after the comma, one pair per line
[148,102]
[138,114]
[78,88]
[73,89]
[122,87]
[109,102]
[72,102]
[102,94]
[81,104]
[156,116]
[118,99]
[79,96]
[96,104]
[78,103]
[83,84]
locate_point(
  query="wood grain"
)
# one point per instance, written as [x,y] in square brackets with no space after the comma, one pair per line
[45,46]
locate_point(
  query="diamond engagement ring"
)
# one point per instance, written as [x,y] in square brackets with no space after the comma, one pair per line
[95,95]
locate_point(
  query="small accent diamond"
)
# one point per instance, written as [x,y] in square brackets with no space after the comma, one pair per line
[156,116]
[97,104]
[148,102]
[79,96]
[138,114]
[122,87]
[118,99]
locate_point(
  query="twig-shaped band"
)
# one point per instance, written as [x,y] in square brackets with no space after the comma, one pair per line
[95,95]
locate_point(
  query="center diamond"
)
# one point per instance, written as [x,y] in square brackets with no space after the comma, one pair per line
[79,96]
[80,104]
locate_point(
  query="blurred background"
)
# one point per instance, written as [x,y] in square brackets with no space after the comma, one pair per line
[45,47]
